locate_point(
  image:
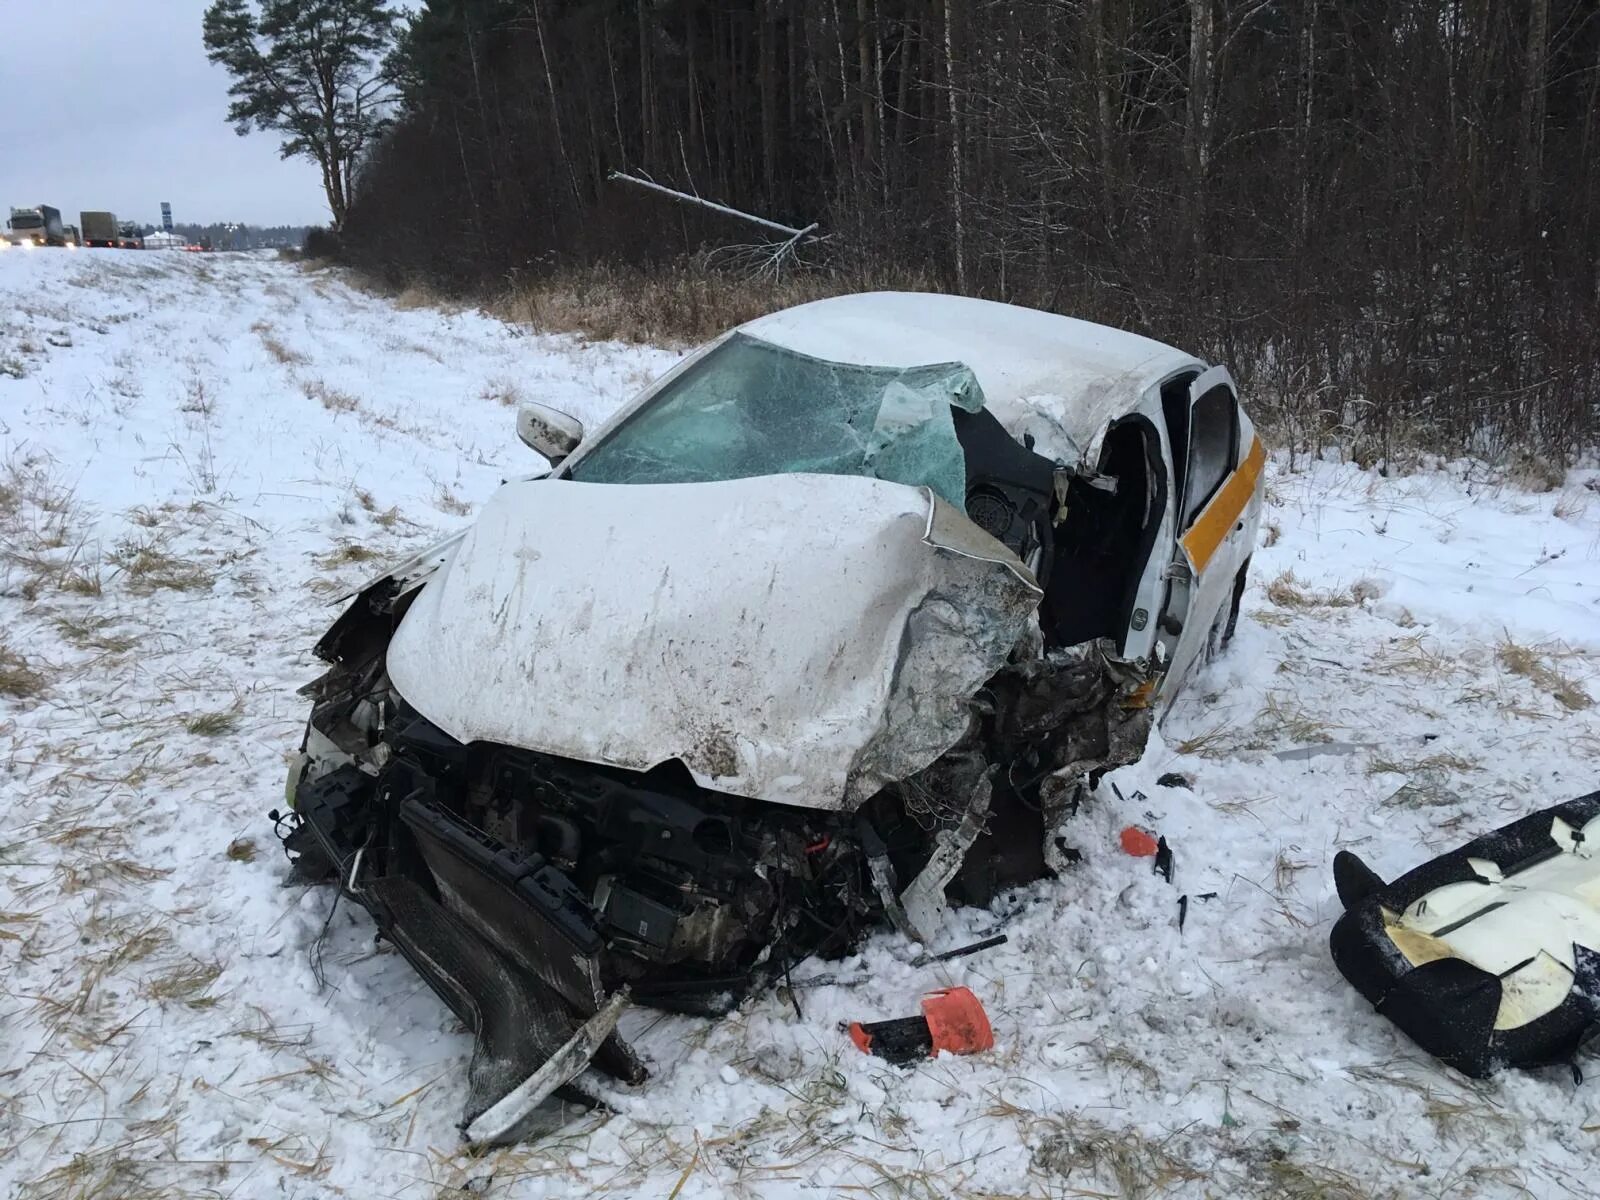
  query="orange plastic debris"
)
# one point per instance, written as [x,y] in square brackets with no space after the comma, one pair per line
[957,1022]
[860,1037]
[1139,842]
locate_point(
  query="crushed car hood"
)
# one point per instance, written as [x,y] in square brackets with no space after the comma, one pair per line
[802,639]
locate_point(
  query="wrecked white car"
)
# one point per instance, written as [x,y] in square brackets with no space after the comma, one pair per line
[828,629]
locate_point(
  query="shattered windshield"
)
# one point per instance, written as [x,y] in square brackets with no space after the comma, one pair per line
[751,408]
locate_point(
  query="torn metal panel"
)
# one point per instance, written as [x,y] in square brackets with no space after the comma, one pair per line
[924,899]
[802,639]
[515,1115]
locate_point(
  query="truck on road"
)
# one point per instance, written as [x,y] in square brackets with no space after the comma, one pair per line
[99,229]
[36,226]
[128,236]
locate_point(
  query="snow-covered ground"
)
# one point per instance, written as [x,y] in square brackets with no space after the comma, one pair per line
[198,453]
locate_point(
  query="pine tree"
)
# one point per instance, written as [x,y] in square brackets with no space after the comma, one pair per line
[312,70]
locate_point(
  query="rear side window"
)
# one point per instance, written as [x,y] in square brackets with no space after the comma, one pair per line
[1213,448]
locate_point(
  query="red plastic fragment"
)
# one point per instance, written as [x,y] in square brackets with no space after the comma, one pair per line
[1139,842]
[860,1037]
[957,1022]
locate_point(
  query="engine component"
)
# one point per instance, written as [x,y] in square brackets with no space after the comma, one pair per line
[529,909]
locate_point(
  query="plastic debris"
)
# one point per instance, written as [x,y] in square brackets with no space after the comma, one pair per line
[952,1019]
[1140,843]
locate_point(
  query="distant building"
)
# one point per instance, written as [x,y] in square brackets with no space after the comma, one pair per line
[163,241]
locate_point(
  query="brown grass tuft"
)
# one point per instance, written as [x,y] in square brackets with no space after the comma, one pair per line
[1288,592]
[185,984]
[18,677]
[344,554]
[279,352]
[88,633]
[213,724]
[149,567]
[1536,665]
[332,399]
[451,503]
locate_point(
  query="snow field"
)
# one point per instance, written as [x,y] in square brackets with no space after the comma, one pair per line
[198,454]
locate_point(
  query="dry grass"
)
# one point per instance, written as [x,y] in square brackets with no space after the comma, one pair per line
[503,392]
[1413,655]
[1571,505]
[1536,472]
[1288,592]
[419,295]
[89,633]
[212,724]
[18,677]
[663,306]
[38,516]
[332,399]
[279,352]
[242,850]
[185,984]
[1284,718]
[345,554]
[149,567]
[1537,665]
[1213,743]
[1310,1181]
[1082,1153]
[447,501]
[1286,870]
[1434,762]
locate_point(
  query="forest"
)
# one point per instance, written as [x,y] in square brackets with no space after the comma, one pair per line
[1381,213]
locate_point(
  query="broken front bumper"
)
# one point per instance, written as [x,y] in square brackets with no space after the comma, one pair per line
[505,940]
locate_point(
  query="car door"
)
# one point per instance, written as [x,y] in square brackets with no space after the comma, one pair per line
[1222,461]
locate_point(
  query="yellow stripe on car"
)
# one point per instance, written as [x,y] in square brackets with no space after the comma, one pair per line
[1212,525]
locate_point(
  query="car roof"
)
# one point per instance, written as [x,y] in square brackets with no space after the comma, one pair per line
[1075,370]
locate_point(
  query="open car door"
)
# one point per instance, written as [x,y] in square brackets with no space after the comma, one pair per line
[1222,464]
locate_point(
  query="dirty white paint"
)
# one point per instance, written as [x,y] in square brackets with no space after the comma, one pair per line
[802,638]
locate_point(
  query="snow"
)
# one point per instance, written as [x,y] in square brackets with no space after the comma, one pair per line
[197,453]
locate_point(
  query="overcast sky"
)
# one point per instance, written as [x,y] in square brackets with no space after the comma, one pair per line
[111,104]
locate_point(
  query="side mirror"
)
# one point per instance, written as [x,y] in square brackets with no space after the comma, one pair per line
[550,431]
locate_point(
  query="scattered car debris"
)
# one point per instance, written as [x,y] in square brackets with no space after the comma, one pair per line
[1140,843]
[1163,864]
[1175,779]
[1320,750]
[988,943]
[1487,956]
[1183,906]
[834,627]
[952,1020]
